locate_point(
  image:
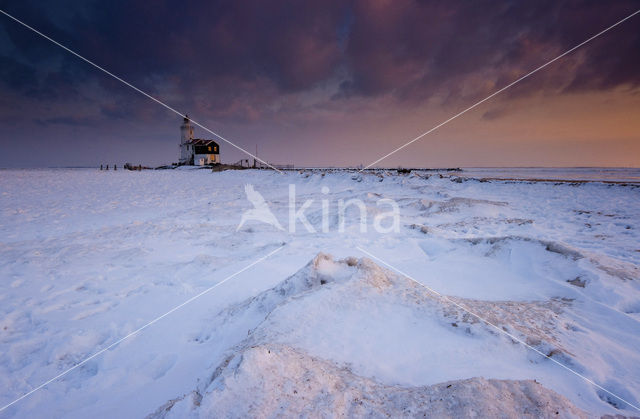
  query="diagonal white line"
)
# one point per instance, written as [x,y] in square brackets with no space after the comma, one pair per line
[136,89]
[135,332]
[501,90]
[499,329]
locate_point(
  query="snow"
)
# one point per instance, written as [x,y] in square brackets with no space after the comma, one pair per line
[275,380]
[87,257]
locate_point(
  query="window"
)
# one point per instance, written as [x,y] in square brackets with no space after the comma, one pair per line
[209,148]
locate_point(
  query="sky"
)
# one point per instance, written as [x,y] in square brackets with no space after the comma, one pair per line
[322,83]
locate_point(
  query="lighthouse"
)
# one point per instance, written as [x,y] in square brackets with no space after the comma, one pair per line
[186,135]
[196,151]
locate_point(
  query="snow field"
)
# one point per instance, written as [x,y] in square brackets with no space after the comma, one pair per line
[86,257]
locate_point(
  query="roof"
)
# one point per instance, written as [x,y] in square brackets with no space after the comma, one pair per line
[201,146]
[200,141]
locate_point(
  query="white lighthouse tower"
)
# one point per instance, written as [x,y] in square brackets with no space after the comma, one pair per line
[186,135]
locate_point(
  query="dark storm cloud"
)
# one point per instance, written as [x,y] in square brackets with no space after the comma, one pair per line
[238,59]
[292,44]
[417,48]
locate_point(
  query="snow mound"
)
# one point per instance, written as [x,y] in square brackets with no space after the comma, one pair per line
[362,281]
[320,271]
[277,380]
[352,338]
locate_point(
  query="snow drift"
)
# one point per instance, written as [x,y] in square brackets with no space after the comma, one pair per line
[292,364]
[277,380]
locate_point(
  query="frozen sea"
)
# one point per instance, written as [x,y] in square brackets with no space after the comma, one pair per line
[89,258]
[605,174]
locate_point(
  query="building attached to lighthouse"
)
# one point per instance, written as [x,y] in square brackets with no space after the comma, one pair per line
[196,151]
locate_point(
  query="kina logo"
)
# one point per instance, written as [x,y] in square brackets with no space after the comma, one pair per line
[260,211]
